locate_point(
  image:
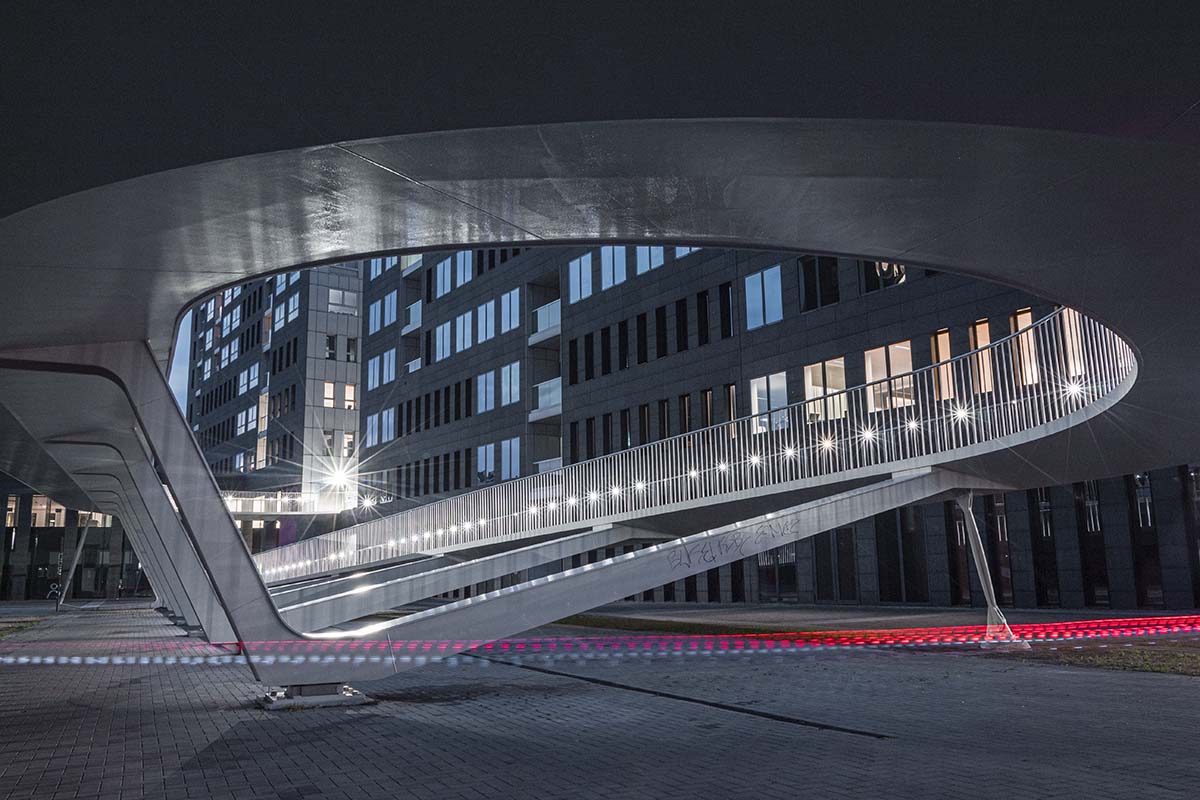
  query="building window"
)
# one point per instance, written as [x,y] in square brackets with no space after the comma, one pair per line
[510,310]
[462,331]
[730,402]
[881,275]
[888,376]
[510,383]
[623,344]
[371,437]
[328,394]
[464,266]
[573,362]
[819,282]
[589,441]
[643,423]
[612,266]
[1072,325]
[981,360]
[372,373]
[605,351]
[580,278]
[387,424]
[680,252]
[443,278]
[660,332]
[485,462]
[1025,366]
[685,413]
[626,434]
[374,316]
[486,316]
[376,268]
[510,459]
[389,308]
[706,408]
[702,331]
[764,298]
[589,356]
[769,393]
[389,366]
[725,296]
[442,342]
[352,350]
[643,346]
[664,419]
[681,325]
[330,348]
[649,258]
[293,307]
[485,387]
[824,385]
[351,397]
[943,377]
[343,302]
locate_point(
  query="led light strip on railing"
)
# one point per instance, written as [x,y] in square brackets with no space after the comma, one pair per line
[1050,372]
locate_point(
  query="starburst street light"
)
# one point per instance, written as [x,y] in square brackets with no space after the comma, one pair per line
[755,459]
[913,425]
[868,435]
[961,413]
[1073,388]
[826,443]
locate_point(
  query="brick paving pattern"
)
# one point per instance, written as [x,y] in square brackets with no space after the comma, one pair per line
[956,725]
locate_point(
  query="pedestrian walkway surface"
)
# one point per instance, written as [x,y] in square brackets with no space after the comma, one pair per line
[859,723]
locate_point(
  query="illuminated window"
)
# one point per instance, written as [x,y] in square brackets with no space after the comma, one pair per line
[824,388]
[769,393]
[888,378]
[351,399]
[943,377]
[1025,366]
[1072,325]
[981,361]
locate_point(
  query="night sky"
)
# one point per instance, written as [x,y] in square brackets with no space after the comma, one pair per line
[95,92]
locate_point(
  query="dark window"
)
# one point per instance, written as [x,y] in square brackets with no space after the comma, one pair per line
[589,356]
[643,346]
[626,434]
[589,442]
[623,344]
[702,318]
[685,413]
[574,442]
[606,432]
[352,349]
[643,423]
[330,348]
[1045,555]
[818,283]
[681,325]
[664,419]
[706,408]
[660,331]
[469,395]
[457,406]
[730,402]
[713,581]
[605,351]
[725,296]
[573,362]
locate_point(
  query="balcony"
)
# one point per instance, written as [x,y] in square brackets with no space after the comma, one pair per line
[412,319]
[547,323]
[548,465]
[548,400]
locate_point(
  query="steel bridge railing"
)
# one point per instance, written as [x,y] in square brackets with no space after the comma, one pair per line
[1039,375]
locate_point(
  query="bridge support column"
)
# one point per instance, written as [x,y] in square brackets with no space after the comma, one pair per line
[998,632]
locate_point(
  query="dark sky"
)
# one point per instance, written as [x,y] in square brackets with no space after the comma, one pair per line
[98,91]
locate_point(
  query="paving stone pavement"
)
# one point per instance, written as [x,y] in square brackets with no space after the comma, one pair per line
[958,724]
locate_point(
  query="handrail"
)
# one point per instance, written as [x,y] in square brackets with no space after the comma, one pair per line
[1054,371]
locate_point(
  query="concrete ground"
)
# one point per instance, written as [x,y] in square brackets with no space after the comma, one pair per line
[821,724]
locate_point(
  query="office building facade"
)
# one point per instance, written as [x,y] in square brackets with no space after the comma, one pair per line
[273,397]
[481,366]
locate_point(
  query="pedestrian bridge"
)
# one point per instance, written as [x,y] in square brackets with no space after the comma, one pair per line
[1063,216]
